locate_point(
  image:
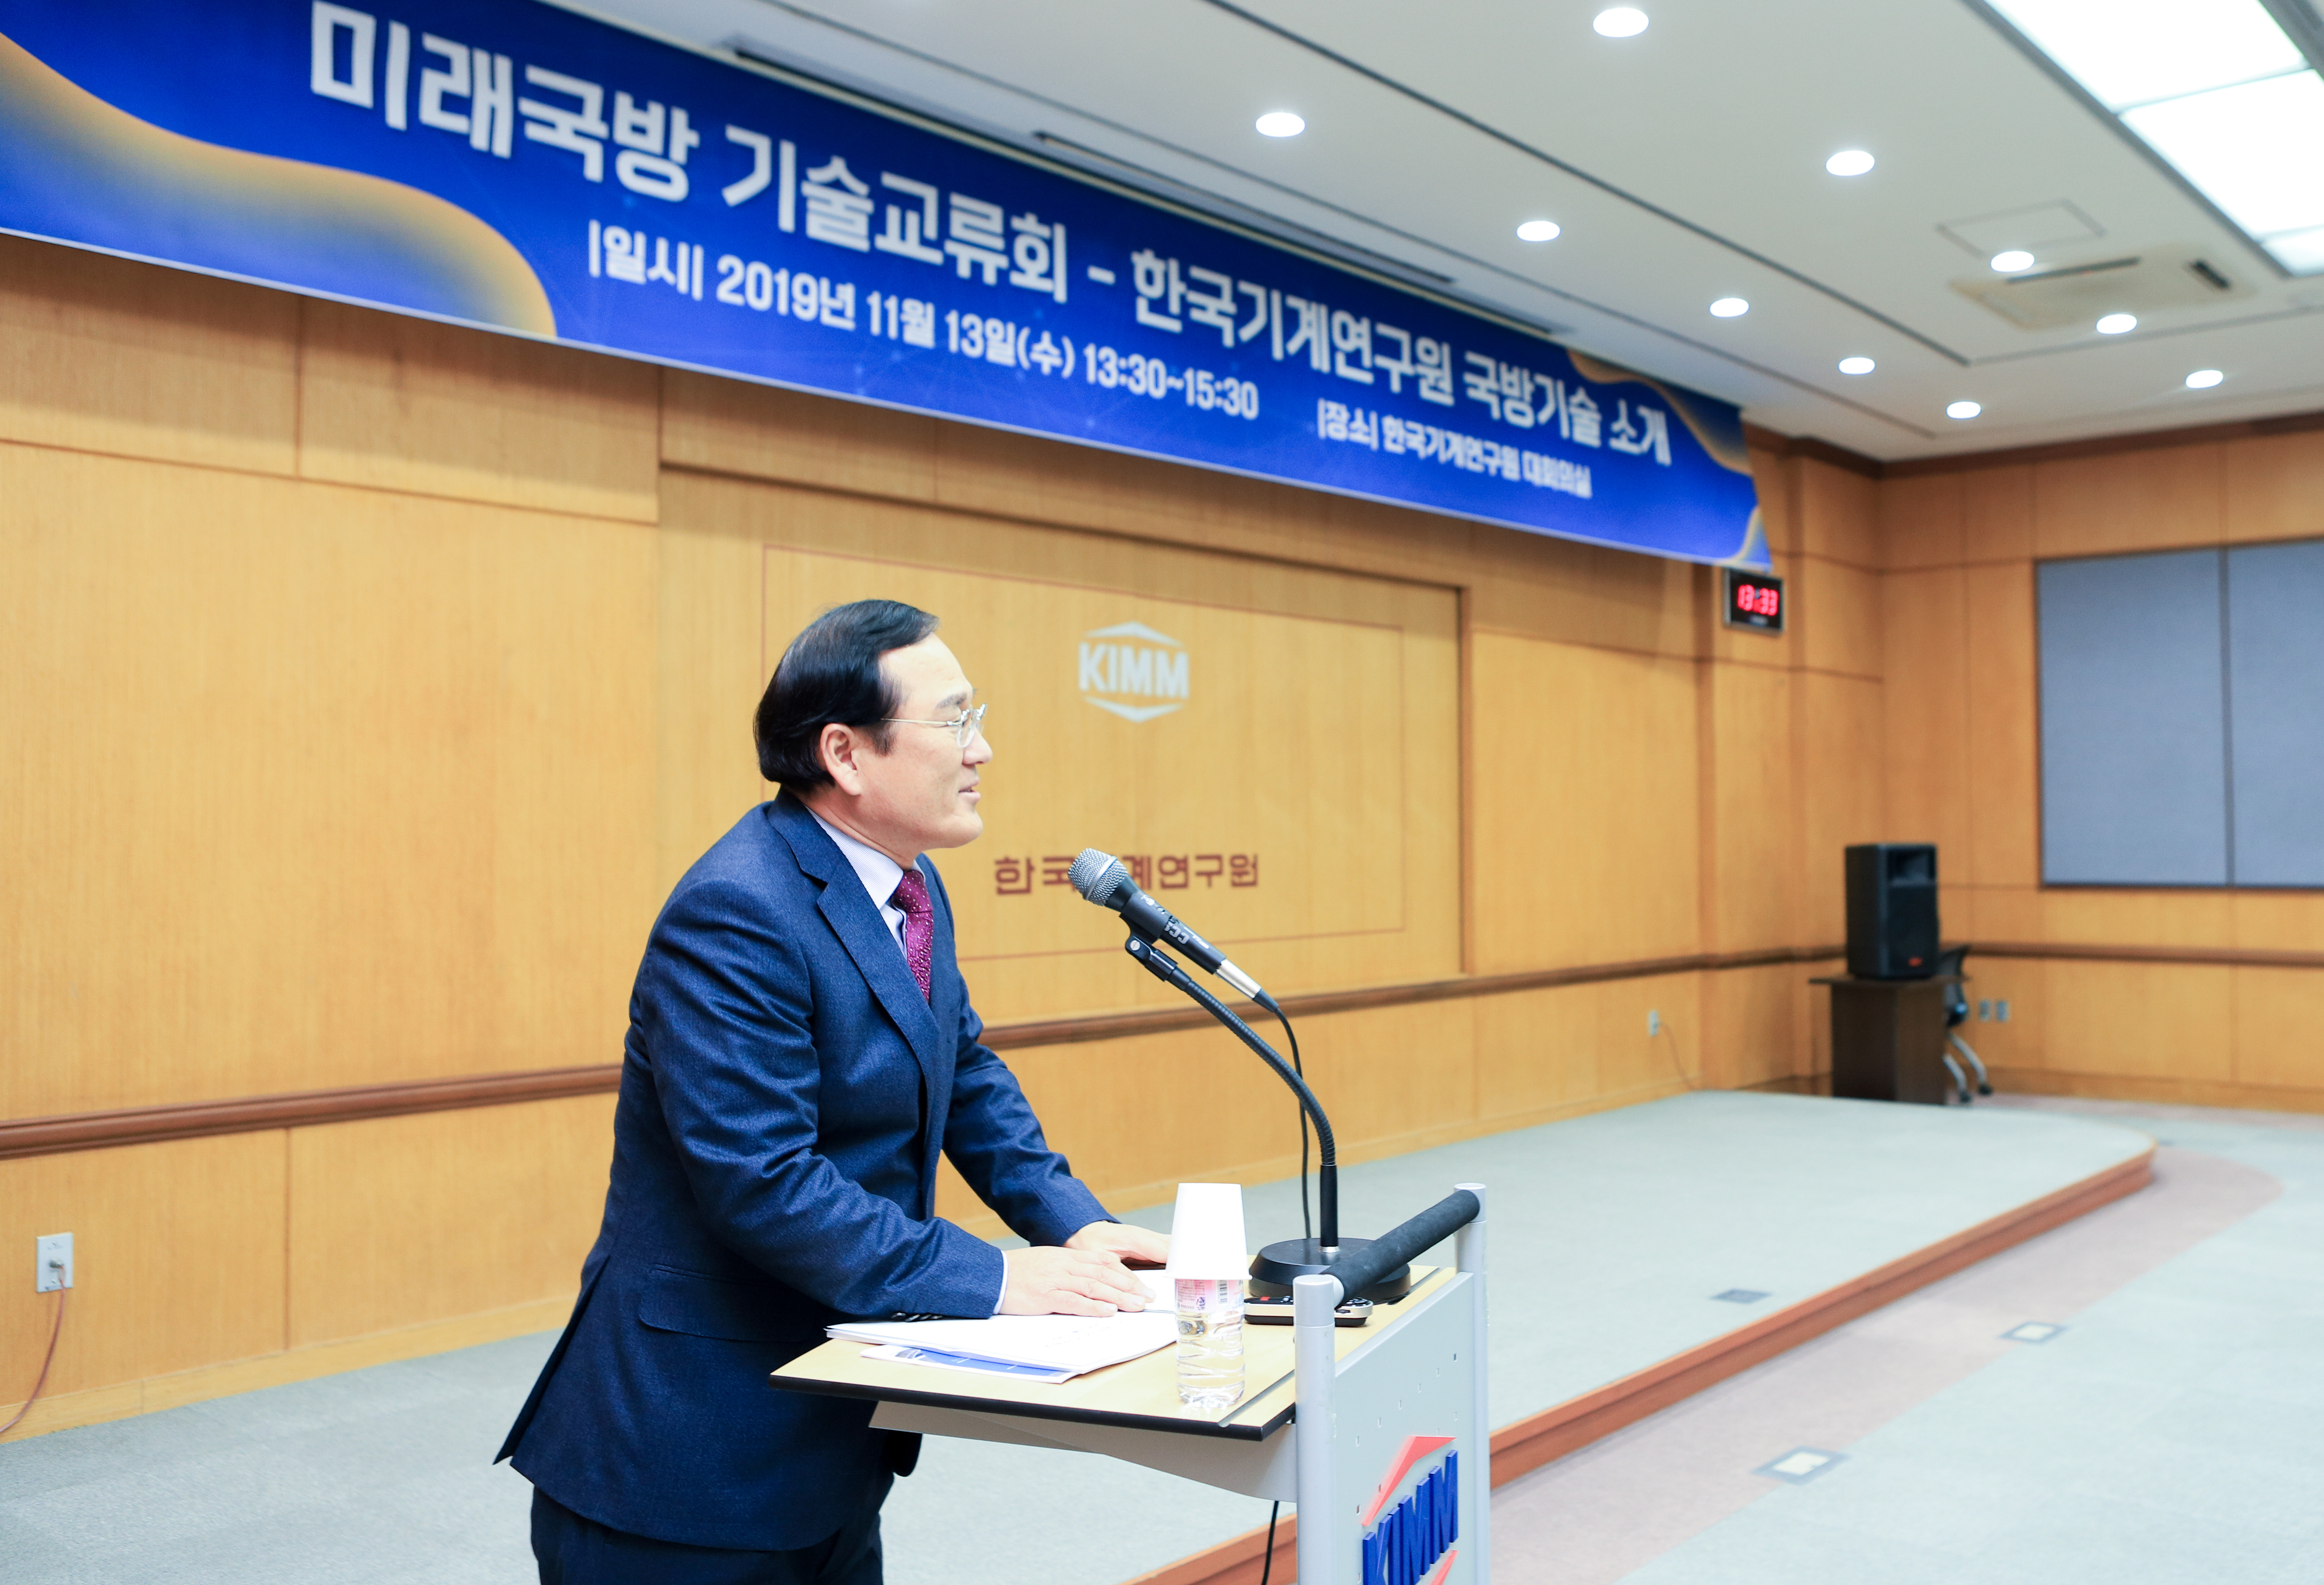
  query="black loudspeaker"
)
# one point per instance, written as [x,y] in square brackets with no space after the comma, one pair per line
[1891,910]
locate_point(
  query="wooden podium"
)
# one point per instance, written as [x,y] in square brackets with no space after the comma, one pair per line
[1379,1432]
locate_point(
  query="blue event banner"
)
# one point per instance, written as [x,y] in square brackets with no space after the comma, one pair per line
[512,164]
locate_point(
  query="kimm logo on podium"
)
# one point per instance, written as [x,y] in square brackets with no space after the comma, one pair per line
[1133,671]
[1413,1542]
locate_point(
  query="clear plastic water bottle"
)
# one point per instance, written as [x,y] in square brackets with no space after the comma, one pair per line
[1210,1343]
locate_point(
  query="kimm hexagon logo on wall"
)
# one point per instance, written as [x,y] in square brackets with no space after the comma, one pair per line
[1133,671]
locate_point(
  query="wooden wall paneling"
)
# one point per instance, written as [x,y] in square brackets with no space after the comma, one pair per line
[1928,741]
[1998,513]
[1776,479]
[1999,746]
[1537,1052]
[1745,1036]
[1002,588]
[1922,522]
[1526,586]
[1586,842]
[2009,913]
[403,1221]
[1395,1079]
[1750,862]
[2277,1019]
[1812,1024]
[1632,1064]
[313,786]
[1839,610]
[2277,921]
[1842,801]
[1136,1117]
[1017,476]
[2120,915]
[755,432]
[1839,515]
[2024,984]
[709,636]
[177,1254]
[1309,772]
[2138,1020]
[2274,487]
[397,403]
[103,354]
[2130,500]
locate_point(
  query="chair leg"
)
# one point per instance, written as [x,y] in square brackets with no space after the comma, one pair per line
[1984,1085]
[1960,1083]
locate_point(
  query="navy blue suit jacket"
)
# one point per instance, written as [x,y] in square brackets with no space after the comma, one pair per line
[785,1091]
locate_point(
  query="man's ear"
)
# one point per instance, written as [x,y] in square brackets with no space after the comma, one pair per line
[837,748]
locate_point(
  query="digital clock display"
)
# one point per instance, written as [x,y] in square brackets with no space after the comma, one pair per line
[1754,600]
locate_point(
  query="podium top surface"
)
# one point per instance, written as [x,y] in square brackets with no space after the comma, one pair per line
[1141,1393]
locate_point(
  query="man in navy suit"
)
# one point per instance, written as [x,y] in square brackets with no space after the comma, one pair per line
[800,1050]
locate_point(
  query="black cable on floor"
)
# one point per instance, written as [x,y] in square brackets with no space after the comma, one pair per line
[1267,1567]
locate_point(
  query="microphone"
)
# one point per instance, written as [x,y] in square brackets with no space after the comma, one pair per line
[1104,879]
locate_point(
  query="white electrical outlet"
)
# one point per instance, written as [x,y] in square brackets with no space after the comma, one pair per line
[52,1262]
[1985,1012]
[2000,1012]
[1654,1022]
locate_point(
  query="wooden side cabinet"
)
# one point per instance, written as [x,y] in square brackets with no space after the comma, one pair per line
[1888,1039]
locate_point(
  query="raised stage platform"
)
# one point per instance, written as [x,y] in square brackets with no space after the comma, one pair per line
[1615,1237]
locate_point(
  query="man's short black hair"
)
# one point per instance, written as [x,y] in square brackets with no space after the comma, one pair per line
[831,673]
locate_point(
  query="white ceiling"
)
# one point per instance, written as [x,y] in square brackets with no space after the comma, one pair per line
[1685,164]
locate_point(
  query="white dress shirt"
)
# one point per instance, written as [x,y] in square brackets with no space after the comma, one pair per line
[879,875]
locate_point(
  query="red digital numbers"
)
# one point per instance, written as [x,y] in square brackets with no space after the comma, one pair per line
[1758,599]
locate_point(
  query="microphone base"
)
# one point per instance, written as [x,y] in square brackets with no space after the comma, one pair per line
[1277,1263]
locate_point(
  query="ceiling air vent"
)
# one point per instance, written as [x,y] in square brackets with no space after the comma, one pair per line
[2149,282]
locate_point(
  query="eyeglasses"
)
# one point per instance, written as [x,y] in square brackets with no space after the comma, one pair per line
[965,725]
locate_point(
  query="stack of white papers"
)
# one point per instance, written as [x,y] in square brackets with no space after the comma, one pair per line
[1047,1348]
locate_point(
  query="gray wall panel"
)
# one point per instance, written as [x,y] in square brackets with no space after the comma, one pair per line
[2134,772]
[2275,593]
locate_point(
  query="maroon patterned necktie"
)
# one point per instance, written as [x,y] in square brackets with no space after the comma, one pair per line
[911,895]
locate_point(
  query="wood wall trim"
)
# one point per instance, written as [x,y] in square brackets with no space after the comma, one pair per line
[1526,1446]
[2105,445]
[2240,957]
[1808,446]
[1166,1020]
[147,1125]
[1963,462]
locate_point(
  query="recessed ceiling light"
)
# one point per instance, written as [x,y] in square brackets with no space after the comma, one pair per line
[1963,410]
[1538,231]
[1730,308]
[1623,22]
[2010,261]
[1857,365]
[1849,162]
[2117,324]
[1280,123]
[2204,379]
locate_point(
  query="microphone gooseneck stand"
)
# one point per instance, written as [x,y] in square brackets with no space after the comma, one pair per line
[1277,1265]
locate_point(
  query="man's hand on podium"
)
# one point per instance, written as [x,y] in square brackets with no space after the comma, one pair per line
[1085,1276]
